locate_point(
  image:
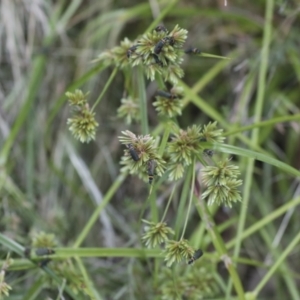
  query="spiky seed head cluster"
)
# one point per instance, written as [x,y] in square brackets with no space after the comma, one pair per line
[65,269]
[129,109]
[222,183]
[83,124]
[176,251]
[144,146]
[77,99]
[43,240]
[157,51]
[156,233]
[210,133]
[169,104]
[193,284]
[73,277]
[183,146]
[4,287]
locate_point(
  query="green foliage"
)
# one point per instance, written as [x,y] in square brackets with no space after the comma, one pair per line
[50,183]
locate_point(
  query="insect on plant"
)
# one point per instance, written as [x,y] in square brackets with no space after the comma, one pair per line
[133,153]
[192,50]
[196,256]
[44,251]
[157,60]
[166,95]
[43,263]
[151,169]
[131,50]
[160,28]
[159,46]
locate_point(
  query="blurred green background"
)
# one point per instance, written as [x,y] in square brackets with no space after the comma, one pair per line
[52,183]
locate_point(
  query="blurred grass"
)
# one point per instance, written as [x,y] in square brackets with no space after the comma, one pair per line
[254,97]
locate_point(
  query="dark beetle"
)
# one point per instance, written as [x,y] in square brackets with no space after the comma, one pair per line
[160,28]
[131,50]
[166,95]
[157,60]
[150,169]
[43,263]
[133,153]
[192,50]
[166,40]
[196,256]
[44,251]
[208,152]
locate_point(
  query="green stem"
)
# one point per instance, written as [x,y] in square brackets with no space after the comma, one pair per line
[89,284]
[220,246]
[164,140]
[11,244]
[17,248]
[263,124]
[143,101]
[169,202]
[153,205]
[190,201]
[255,134]
[278,262]
[107,84]
[100,207]
[266,220]
[161,15]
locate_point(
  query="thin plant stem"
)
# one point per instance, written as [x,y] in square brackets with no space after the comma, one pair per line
[89,284]
[266,220]
[269,122]
[278,262]
[255,134]
[143,101]
[219,245]
[107,84]
[98,210]
[164,140]
[163,13]
[169,202]
[190,201]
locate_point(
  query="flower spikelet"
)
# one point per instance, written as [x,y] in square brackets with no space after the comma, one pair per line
[177,250]
[77,99]
[211,134]
[169,104]
[145,148]
[222,183]
[193,283]
[129,109]
[83,125]
[4,287]
[156,233]
[43,240]
[182,148]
